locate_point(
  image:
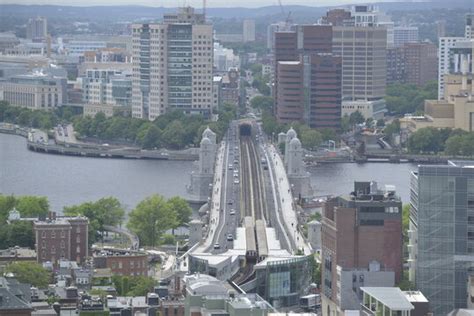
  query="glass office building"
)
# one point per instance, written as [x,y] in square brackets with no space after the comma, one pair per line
[442,233]
[282,282]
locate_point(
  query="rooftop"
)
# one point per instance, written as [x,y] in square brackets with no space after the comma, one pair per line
[392,297]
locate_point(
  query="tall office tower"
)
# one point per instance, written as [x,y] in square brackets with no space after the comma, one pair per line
[469,28]
[286,47]
[441,28]
[405,34]
[396,65]
[361,245]
[172,65]
[289,92]
[299,45]
[442,233]
[37,28]
[444,61]
[363,51]
[336,17]
[325,91]
[314,39]
[248,31]
[272,29]
[369,16]
[420,59]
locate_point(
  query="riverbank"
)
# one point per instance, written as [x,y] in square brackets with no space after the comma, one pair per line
[96,150]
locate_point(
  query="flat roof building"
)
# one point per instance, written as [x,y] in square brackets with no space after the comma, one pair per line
[441,242]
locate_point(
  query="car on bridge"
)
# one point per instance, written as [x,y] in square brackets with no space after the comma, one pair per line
[232,212]
[236,181]
[217,246]
[230,237]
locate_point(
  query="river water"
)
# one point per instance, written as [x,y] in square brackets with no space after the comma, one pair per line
[69,180]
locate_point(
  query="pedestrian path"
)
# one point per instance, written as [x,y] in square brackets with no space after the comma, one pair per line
[288,206]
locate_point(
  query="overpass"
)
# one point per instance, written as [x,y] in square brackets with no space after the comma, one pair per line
[252,223]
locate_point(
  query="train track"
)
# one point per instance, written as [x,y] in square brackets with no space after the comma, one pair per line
[253,207]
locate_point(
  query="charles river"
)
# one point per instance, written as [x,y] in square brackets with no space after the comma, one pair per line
[72,180]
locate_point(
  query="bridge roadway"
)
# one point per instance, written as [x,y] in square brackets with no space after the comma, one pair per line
[257,194]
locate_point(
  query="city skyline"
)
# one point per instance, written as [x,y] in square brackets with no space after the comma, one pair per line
[195,3]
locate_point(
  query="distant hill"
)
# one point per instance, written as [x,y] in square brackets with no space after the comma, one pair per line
[130,13]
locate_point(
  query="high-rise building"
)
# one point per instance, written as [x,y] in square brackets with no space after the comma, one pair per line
[325,91]
[405,34]
[441,28]
[336,17]
[444,62]
[469,27]
[172,66]
[107,86]
[248,31]
[361,245]
[419,59]
[441,233]
[230,87]
[448,62]
[294,50]
[370,16]
[363,54]
[289,92]
[272,29]
[37,28]
[314,39]
[396,65]
[286,47]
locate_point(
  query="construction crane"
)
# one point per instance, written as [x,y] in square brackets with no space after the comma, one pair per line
[204,9]
[287,17]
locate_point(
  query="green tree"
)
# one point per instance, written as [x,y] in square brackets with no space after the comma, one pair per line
[356,118]
[106,211]
[30,272]
[32,206]
[152,138]
[345,123]
[182,209]
[20,233]
[151,218]
[262,102]
[173,135]
[454,145]
[133,285]
[311,139]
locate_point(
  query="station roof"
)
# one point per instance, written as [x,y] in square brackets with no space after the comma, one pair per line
[392,297]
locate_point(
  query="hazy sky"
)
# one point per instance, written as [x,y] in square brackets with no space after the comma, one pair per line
[197,3]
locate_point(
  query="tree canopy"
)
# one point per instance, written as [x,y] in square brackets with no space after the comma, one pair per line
[106,211]
[408,98]
[133,285]
[433,140]
[30,273]
[182,209]
[151,218]
[262,102]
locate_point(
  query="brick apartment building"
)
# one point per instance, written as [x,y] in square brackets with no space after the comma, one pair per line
[61,238]
[359,232]
[122,262]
